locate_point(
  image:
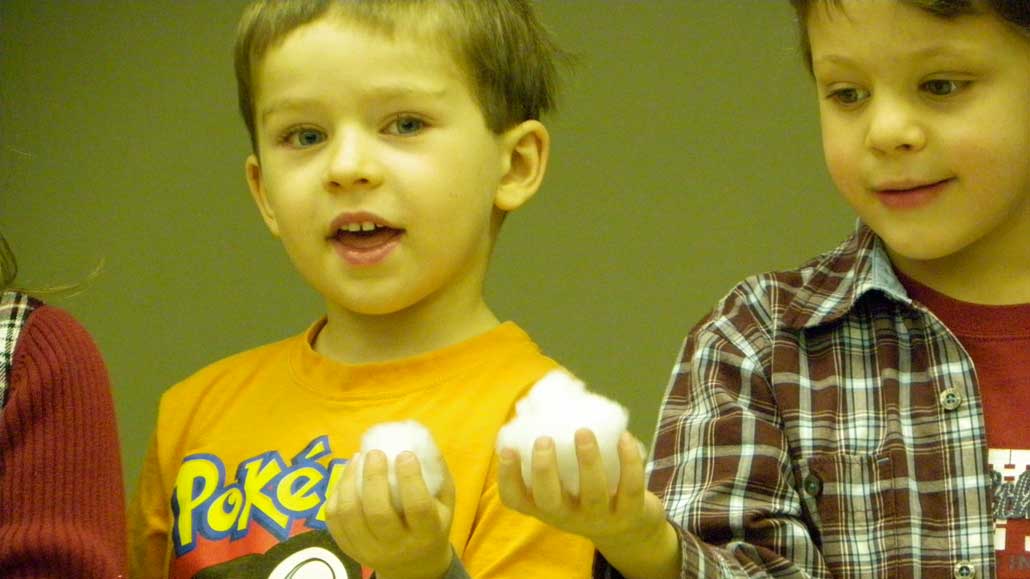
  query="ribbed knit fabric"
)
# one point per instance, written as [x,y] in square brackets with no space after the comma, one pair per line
[61,492]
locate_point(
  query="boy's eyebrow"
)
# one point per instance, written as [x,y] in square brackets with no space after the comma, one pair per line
[284,105]
[384,92]
[931,51]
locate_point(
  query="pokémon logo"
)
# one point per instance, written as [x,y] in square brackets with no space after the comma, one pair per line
[267,491]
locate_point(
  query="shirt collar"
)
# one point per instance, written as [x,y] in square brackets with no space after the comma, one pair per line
[834,282]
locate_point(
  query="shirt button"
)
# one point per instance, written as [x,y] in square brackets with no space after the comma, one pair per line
[813,485]
[951,399]
[965,570]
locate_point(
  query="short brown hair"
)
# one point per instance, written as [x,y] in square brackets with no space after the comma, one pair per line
[1013,12]
[509,57]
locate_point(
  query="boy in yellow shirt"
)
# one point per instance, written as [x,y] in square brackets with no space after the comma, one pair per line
[389,142]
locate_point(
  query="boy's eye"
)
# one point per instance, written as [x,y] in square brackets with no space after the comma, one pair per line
[941,87]
[303,137]
[405,126]
[848,96]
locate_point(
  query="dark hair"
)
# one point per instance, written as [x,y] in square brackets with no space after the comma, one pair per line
[501,45]
[1013,12]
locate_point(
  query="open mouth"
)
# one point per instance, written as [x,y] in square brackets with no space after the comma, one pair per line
[366,235]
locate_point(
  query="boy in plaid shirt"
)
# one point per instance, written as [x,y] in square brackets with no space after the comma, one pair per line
[828,421]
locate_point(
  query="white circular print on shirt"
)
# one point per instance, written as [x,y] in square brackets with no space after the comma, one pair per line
[310,563]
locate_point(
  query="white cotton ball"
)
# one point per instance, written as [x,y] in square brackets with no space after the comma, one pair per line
[557,406]
[393,438]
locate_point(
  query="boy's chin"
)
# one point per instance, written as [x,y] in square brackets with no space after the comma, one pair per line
[371,308]
[923,248]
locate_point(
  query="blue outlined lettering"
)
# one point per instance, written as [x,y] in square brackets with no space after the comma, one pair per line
[268,493]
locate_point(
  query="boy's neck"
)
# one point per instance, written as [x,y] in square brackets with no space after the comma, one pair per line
[352,338]
[990,272]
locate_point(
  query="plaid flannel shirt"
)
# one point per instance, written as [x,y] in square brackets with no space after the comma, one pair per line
[15,308]
[820,423]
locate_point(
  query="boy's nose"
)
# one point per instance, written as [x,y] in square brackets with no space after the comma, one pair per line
[353,163]
[894,127]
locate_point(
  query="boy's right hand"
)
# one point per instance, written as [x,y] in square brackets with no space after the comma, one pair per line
[632,516]
[410,545]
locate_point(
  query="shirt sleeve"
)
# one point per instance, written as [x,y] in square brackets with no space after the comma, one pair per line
[62,505]
[721,462]
[455,571]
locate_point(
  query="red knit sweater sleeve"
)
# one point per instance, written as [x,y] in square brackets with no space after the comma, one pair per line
[62,505]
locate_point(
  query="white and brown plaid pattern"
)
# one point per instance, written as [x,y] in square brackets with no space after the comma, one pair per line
[821,424]
[15,308]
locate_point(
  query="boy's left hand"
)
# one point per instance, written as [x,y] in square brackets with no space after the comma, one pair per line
[412,545]
[633,516]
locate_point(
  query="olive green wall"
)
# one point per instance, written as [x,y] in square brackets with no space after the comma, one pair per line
[686,156]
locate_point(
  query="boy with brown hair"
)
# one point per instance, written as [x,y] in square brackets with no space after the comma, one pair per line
[865,414]
[390,139]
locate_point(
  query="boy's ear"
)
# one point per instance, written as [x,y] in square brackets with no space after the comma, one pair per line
[257,191]
[526,147]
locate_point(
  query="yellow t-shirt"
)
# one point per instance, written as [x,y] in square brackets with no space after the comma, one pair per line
[244,450]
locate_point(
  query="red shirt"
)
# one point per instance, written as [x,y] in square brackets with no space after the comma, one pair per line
[997,338]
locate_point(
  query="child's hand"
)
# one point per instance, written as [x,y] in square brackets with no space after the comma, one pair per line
[412,545]
[631,516]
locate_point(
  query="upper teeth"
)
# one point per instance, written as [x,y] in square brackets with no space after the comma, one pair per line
[363,226]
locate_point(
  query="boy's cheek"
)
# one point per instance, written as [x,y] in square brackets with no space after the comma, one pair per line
[842,150]
[840,166]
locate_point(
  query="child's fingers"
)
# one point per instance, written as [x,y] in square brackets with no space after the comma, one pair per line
[342,503]
[510,485]
[446,497]
[383,521]
[420,510]
[447,492]
[348,525]
[593,483]
[547,490]
[631,472]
